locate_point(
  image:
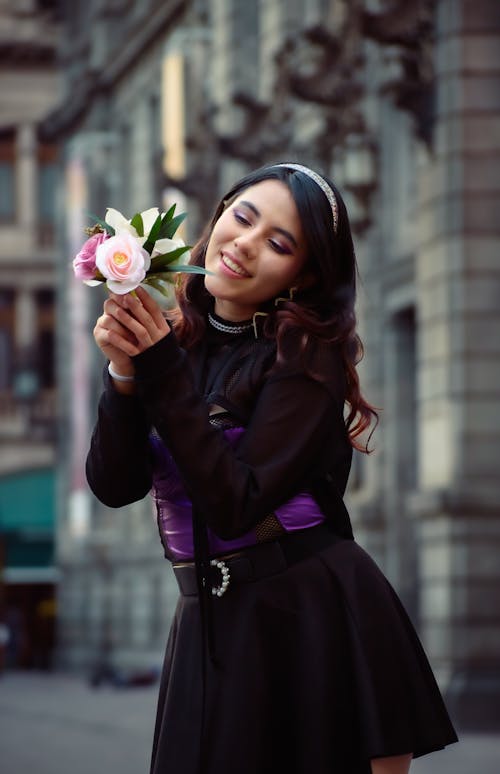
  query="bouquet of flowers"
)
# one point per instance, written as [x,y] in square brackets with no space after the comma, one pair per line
[127,253]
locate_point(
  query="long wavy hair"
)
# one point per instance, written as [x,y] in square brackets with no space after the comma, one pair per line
[323,311]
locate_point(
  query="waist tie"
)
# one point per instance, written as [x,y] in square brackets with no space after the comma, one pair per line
[255,562]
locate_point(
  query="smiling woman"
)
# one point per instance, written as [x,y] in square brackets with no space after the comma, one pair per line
[256,250]
[239,413]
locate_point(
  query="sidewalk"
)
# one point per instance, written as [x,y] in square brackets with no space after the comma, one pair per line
[58,724]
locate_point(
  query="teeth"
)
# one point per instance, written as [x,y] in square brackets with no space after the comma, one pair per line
[233,266]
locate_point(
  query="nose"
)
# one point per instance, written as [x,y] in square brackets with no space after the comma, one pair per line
[246,243]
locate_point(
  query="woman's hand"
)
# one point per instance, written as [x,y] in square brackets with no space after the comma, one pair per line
[129,325]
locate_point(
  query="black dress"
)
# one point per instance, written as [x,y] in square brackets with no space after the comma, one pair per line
[314,667]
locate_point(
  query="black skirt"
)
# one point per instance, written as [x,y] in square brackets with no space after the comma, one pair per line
[316,668]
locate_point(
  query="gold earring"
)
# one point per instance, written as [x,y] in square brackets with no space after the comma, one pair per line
[254,322]
[291,293]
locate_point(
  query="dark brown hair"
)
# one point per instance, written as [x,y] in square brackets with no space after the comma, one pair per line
[323,311]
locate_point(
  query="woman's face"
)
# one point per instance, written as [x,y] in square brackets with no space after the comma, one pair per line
[256,250]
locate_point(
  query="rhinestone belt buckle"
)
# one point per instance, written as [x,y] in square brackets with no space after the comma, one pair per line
[218,591]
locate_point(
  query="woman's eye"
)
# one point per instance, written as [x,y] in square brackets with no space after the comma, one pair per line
[241,218]
[278,247]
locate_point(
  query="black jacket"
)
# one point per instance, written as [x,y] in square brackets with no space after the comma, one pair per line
[295,437]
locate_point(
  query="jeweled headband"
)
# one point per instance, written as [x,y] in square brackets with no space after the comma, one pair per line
[321,182]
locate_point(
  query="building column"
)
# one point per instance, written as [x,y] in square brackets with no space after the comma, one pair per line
[27,184]
[458,287]
[25,321]
[26,377]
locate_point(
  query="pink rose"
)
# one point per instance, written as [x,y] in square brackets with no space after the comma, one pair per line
[84,264]
[123,262]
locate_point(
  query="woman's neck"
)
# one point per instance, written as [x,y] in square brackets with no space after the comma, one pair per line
[227,310]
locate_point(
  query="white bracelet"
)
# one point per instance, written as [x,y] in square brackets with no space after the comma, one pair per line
[119,377]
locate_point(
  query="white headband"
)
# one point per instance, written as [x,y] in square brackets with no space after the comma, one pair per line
[322,184]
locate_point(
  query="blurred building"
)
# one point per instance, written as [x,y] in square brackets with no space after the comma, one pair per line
[399,103]
[115,598]
[28,166]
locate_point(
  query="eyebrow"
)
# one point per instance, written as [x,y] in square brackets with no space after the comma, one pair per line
[283,231]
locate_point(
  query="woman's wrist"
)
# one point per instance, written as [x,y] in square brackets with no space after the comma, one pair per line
[119,377]
[122,383]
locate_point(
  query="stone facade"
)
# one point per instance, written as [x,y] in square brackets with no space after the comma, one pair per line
[29,89]
[398,103]
[457,276]
[116,599]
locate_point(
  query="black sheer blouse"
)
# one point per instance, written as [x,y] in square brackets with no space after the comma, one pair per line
[295,438]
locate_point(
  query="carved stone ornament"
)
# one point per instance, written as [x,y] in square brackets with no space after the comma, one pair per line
[406,29]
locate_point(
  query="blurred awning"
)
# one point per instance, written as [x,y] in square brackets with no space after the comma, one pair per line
[27,526]
[27,501]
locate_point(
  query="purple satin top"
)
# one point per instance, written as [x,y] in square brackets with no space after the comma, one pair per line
[174,511]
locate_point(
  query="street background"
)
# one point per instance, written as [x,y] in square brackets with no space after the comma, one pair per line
[133,104]
[56,724]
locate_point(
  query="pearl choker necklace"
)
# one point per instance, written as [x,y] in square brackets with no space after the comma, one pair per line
[228,328]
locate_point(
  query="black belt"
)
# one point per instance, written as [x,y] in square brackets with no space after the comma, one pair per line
[255,562]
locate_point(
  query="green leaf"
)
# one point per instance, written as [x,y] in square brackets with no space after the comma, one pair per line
[159,261]
[138,224]
[170,214]
[169,227]
[187,269]
[102,223]
[155,230]
[153,235]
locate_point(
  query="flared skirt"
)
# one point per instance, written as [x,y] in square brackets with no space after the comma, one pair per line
[315,669]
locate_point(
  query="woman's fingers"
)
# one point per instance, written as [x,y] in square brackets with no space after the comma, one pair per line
[140,316]
[123,320]
[139,326]
[146,310]
[150,305]
[112,336]
[109,324]
[150,324]
[130,324]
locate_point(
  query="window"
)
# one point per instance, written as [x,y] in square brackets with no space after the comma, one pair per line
[404,330]
[156,146]
[246,33]
[47,181]
[74,15]
[51,8]
[7,175]
[6,338]
[125,168]
[46,344]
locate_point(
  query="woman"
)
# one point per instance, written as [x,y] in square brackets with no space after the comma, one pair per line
[289,650]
